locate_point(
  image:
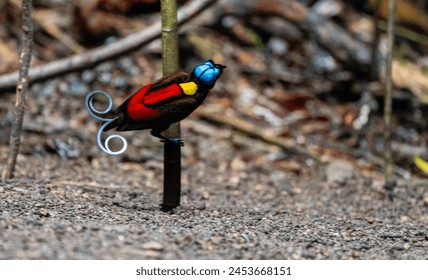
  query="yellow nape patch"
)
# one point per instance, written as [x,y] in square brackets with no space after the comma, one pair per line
[189,88]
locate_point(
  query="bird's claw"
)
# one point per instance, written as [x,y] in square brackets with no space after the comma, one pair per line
[177,141]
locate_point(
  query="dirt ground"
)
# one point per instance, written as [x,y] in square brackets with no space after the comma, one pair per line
[240,200]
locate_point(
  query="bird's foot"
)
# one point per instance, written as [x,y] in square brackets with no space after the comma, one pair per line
[177,141]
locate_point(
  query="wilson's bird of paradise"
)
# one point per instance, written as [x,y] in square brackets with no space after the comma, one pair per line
[156,106]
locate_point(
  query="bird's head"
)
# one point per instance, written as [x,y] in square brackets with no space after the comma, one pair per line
[207,73]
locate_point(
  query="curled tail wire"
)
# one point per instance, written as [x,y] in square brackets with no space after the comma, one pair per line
[97,114]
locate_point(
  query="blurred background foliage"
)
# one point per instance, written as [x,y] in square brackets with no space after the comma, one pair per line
[304,75]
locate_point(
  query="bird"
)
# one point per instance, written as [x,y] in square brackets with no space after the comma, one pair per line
[170,99]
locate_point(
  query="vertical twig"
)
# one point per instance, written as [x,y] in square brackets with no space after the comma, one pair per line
[374,70]
[388,94]
[21,90]
[172,152]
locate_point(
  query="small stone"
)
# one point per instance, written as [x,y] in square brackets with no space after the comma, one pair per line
[21,190]
[297,190]
[356,254]
[426,200]
[44,212]
[88,76]
[278,46]
[237,164]
[152,245]
[398,247]
[339,172]
[259,186]
[405,219]
[233,181]
[151,253]
[205,195]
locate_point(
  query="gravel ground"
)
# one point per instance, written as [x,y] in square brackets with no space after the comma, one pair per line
[237,203]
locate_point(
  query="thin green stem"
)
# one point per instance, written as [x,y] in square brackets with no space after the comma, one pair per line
[388,95]
[170,64]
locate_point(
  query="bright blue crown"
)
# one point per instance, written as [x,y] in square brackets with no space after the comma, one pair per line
[208,72]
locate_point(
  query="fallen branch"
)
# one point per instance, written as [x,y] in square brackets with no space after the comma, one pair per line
[260,134]
[254,131]
[330,35]
[337,40]
[104,53]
